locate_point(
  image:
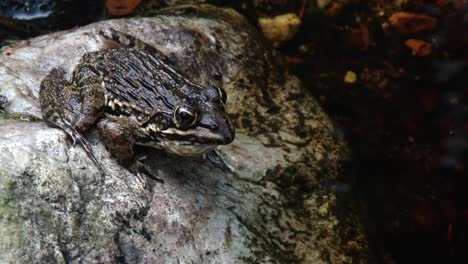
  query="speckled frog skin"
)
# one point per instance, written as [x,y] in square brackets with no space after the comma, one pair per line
[135,98]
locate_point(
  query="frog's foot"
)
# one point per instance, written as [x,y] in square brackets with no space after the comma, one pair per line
[118,136]
[216,159]
[75,137]
[140,169]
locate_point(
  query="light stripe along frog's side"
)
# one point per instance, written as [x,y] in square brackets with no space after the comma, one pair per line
[135,97]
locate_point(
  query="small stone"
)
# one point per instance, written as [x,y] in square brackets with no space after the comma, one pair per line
[335,9]
[303,49]
[385,26]
[350,77]
[280,28]
[323,3]
[454,101]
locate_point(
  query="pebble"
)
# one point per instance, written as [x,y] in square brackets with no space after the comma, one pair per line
[350,77]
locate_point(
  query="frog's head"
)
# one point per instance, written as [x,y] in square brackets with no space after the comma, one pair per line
[195,123]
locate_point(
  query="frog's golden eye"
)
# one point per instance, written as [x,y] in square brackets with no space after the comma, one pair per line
[183,117]
[223,95]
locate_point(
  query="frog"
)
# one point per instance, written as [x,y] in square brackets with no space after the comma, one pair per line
[133,94]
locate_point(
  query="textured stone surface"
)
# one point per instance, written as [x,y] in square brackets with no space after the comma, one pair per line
[278,205]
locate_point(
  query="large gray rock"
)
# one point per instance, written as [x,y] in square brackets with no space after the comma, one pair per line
[278,205]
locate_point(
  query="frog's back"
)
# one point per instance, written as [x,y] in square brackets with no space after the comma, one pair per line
[134,81]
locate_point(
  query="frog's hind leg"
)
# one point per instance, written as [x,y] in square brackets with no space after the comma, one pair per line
[64,106]
[91,90]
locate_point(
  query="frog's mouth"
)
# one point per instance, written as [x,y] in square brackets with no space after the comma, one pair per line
[194,141]
[181,148]
[221,134]
[186,149]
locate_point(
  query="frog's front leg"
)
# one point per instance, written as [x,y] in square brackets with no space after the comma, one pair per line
[119,136]
[72,107]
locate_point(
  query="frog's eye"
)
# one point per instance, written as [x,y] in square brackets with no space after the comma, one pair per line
[184,118]
[223,95]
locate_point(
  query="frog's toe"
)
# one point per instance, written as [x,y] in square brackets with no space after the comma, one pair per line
[72,133]
[140,169]
[76,137]
[72,137]
[217,160]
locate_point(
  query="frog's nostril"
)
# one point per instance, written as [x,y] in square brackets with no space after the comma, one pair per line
[214,126]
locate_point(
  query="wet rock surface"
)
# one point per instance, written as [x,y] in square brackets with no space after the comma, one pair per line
[24,18]
[279,204]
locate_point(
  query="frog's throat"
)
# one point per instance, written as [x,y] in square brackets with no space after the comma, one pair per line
[180,148]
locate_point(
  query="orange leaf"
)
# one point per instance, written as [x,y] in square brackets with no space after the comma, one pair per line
[121,7]
[408,23]
[419,47]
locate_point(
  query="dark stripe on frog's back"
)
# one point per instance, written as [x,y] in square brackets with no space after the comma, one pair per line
[121,69]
